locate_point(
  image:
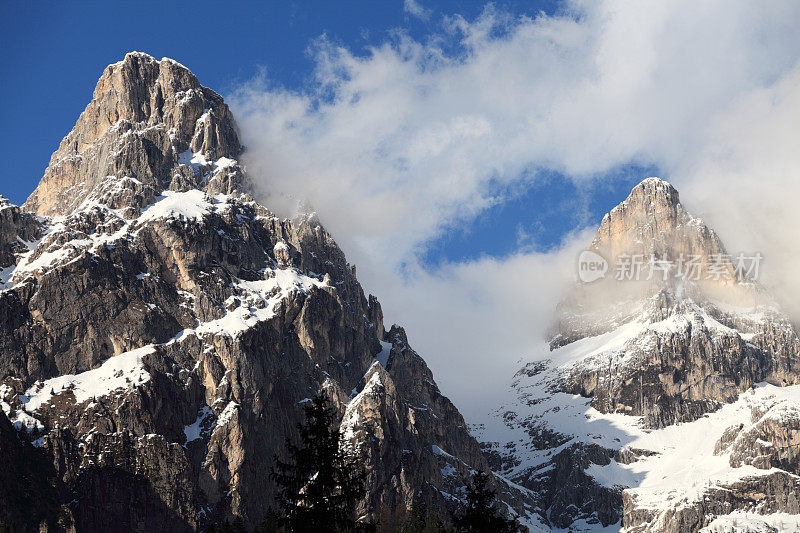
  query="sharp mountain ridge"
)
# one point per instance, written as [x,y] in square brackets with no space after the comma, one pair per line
[668,397]
[160,330]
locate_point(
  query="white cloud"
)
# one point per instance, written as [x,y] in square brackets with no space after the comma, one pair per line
[474,321]
[746,182]
[415,8]
[395,147]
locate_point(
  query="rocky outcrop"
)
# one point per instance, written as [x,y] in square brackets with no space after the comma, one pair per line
[159,338]
[148,120]
[29,491]
[707,349]
[664,400]
[411,438]
[18,230]
[764,495]
[770,439]
[571,494]
[688,365]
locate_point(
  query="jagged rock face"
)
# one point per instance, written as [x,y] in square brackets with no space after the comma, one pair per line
[25,468]
[769,494]
[406,444]
[158,337]
[653,221]
[771,439]
[146,120]
[16,228]
[696,345]
[665,404]
[529,440]
[695,359]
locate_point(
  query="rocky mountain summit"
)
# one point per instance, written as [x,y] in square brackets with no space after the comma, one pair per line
[668,397]
[150,120]
[160,330]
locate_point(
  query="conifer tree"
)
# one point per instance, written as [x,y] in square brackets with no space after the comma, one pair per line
[417,517]
[481,515]
[320,484]
[272,523]
[227,527]
[421,520]
[435,524]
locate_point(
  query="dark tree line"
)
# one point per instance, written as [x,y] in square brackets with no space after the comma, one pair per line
[320,484]
[481,514]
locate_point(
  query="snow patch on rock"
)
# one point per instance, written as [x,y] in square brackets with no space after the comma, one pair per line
[743,522]
[123,371]
[201,427]
[192,205]
[259,300]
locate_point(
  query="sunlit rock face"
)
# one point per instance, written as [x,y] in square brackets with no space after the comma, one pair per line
[717,332]
[662,399]
[161,330]
[653,221]
[148,120]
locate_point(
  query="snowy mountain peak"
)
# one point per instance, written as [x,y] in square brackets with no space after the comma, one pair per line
[632,413]
[657,184]
[653,222]
[161,330]
[135,56]
[654,251]
[151,121]
[651,193]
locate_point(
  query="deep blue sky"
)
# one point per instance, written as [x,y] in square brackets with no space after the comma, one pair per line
[53,54]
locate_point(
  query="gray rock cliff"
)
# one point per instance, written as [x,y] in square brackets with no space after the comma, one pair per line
[160,330]
[663,402]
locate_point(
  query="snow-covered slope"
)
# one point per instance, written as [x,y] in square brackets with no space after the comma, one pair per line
[160,331]
[659,407]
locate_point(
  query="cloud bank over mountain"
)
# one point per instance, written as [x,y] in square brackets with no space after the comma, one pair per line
[412,139]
